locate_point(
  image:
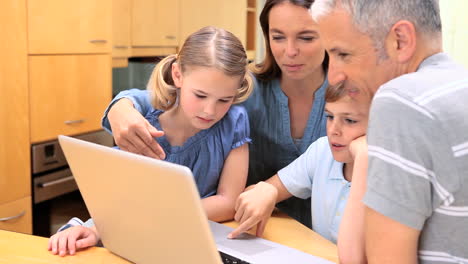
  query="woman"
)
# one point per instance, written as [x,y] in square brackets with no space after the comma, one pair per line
[286,109]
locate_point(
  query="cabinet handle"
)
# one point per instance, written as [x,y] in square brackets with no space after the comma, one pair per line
[52,183]
[12,217]
[98,41]
[121,47]
[170,37]
[71,122]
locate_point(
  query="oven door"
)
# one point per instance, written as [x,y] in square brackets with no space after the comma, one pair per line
[53,184]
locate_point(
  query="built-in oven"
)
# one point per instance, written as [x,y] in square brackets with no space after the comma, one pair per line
[52,179]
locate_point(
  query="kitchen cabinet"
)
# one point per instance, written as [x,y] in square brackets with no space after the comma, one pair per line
[239,17]
[68,94]
[227,14]
[17,216]
[121,32]
[15,181]
[69,27]
[251,28]
[155,27]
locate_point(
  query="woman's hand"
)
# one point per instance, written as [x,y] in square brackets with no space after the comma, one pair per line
[132,132]
[72,239]
[254,207]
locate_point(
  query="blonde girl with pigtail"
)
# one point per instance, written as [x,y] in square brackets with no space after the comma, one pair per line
[194,95]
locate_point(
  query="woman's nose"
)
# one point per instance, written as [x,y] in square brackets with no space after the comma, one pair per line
[291,49]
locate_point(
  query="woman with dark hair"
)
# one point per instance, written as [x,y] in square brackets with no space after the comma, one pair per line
[286,109]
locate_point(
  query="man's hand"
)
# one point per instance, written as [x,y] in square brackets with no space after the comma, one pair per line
[132,132]
[254,207]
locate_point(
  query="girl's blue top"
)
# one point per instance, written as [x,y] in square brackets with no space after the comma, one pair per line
[205,152]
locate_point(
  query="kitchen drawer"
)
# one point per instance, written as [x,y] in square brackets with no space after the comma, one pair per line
[68,94]
[17,216]
[66,27]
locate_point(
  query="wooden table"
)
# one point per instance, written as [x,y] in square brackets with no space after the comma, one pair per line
[18,248]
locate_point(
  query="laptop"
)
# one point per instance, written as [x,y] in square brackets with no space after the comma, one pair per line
[149,211]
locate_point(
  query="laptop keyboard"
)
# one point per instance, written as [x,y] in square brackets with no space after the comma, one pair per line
[228,259]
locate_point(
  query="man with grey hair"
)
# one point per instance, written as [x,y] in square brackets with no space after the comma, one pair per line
[417,183]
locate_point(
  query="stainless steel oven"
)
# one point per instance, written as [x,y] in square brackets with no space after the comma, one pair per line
[52,178]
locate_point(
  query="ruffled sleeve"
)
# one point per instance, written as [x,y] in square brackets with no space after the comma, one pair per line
[238,123]
[140,99]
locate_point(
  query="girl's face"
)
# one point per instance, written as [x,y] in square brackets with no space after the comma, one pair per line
[294,41]
[206,94]
[346,121]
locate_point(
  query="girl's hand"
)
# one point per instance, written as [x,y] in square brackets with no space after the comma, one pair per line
[132,132]
[358,146]
[254,207]
[72,239]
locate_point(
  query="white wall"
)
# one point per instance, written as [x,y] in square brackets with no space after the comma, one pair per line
[455,29]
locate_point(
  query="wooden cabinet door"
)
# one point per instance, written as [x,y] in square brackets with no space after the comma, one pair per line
[65,27]
[15,171]
[155,23]
[68,94]
[17,215]
[227,14]
[121,28]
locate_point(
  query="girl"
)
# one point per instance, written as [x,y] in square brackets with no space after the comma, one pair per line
[286,109]
[192,94]
[324,172]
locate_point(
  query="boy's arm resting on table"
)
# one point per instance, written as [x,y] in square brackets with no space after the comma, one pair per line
[131,131]
[395,243]
[72,239]
[351,238]
[220,207]
[256,204]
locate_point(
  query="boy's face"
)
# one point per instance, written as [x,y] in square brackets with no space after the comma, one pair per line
[346,121]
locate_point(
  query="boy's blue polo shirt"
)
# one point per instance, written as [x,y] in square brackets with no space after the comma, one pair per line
[317,175]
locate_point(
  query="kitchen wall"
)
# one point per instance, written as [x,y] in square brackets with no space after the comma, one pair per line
[455,29]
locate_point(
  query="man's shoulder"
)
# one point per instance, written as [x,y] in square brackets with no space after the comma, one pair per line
[434,73]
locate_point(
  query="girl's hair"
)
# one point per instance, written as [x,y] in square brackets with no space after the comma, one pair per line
[334,93]
[268,69]
[209,47]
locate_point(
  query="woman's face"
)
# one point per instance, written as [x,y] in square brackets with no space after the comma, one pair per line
[294,41]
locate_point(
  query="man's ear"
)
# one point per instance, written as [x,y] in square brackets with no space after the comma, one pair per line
[401,41]
[176,75]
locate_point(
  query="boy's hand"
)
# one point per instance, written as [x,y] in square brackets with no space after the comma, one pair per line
[358,146]
[73,239]
[132,132]
[254,207]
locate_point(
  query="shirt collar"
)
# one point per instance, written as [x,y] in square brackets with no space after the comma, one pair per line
[337,171]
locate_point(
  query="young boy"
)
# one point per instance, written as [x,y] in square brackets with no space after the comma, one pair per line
[324,173]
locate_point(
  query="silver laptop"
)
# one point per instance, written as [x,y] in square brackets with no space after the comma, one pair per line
[149,211]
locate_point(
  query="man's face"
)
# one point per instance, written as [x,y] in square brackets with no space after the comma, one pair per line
[353,57]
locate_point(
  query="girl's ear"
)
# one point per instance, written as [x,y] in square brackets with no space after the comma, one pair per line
[176,75]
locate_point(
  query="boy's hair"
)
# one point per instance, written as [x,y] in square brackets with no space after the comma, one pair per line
[209,47]
[334,93]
